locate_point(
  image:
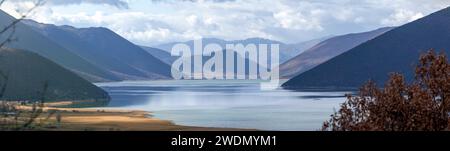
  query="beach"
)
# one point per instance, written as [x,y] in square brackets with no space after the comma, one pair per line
[104,119]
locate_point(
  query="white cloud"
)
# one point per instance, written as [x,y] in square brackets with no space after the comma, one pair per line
[116,3]
[290,19]
[401,16]
[153,22]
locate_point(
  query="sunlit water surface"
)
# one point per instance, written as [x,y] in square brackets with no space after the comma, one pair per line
[233,104]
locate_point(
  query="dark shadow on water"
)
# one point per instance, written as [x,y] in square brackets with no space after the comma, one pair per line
[320,97]
[131,88]
[322,89]
[128,100]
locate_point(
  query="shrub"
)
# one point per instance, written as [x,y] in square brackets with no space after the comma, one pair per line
[422,105]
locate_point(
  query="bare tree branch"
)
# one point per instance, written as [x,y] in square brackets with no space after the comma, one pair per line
[5,78]
[13,24]
[9,38]
[20,121]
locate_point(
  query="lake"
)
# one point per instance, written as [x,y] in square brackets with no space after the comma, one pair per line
[224,103]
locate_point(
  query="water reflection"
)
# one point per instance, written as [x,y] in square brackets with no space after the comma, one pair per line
[238,104]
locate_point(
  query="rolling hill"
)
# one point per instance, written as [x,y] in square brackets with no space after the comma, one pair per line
[397,50]
[326,50]
[27,74]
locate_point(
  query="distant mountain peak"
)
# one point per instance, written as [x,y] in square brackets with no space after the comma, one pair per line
[397,51]
[34,23]
[287,51]
[326,50]
[110,51]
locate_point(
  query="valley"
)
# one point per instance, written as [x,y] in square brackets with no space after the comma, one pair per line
[96,78]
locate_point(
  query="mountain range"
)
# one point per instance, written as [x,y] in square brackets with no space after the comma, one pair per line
[106,50]
[65,60]
[287,51]
[30,40]
[326,50]
[397,50]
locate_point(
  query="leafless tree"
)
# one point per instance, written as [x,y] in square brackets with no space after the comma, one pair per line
[10,29]
[422,105]
[12,118]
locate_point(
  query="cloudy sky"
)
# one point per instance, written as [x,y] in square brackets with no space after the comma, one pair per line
[151,22]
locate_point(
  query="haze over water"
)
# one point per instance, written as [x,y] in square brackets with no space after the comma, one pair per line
[234,104]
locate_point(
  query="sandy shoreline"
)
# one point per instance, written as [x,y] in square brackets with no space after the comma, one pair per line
[103,119]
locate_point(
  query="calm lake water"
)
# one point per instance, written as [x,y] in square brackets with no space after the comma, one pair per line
[235,104]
